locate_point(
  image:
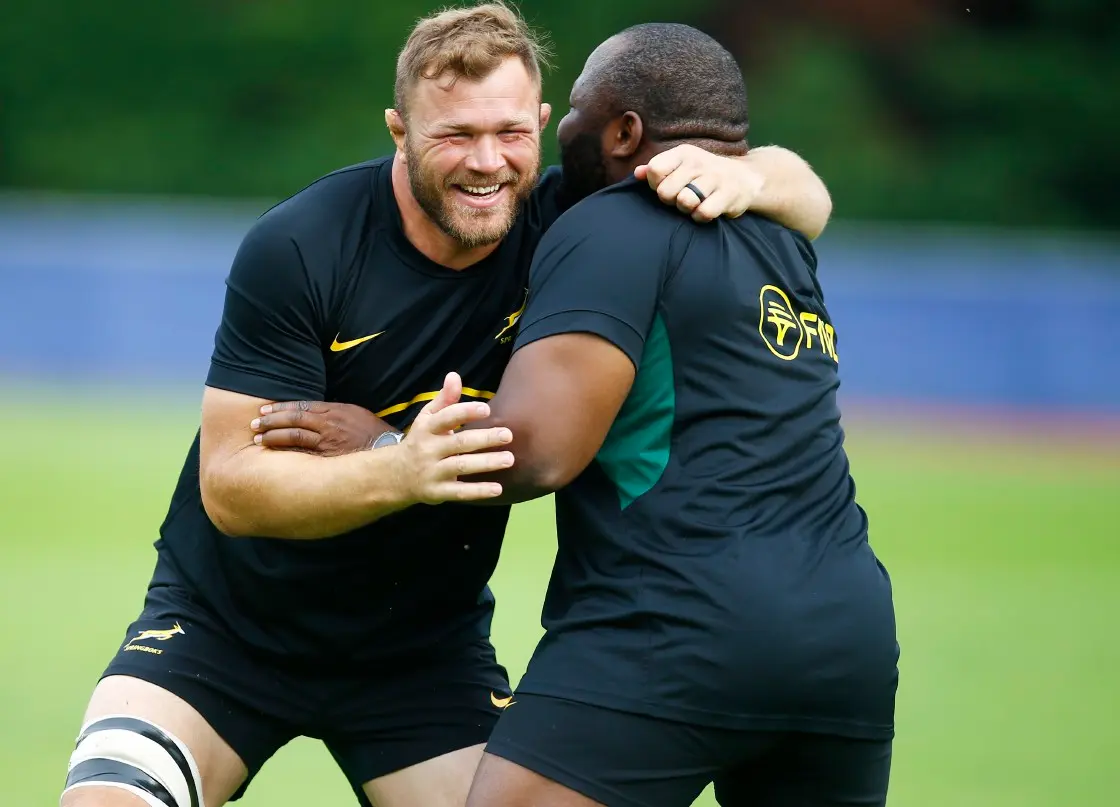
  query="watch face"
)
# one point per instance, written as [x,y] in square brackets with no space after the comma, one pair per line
[387,439]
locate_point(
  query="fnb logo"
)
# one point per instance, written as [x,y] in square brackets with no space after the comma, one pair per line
[784,330]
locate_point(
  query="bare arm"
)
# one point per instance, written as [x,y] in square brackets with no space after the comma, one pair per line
[249,490]
[792,193]
[771,181]
[559,396]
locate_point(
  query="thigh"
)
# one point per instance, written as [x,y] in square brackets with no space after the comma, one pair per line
[500,782]
[811,770]
[559,752]
[443,781]
[218,767]
[414,735]
[176,659]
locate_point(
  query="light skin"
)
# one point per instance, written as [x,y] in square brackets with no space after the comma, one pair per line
[454,134]
[459,134]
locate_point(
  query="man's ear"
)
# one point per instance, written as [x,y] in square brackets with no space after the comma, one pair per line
[624,136]
[546,115]
[394,121]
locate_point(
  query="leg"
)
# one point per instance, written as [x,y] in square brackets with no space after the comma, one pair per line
[551,752]
[442,782]
[501,782]
[182,714]
[415,735]
[219,769]
[811,770]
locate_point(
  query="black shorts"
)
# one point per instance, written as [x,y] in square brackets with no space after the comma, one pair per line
[622,759]
[373,719]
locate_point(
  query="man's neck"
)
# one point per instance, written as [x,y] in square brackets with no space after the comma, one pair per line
[424,234]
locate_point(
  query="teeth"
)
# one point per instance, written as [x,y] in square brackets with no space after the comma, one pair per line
[481,191]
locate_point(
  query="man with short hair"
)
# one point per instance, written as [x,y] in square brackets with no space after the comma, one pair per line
[306,595]
[715,613]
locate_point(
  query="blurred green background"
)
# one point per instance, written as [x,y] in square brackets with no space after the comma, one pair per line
[973,269]
[949,110]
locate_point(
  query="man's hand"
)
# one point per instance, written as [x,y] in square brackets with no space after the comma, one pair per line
[769,180]
[317,427]
[729,185]
[432,457]
[436,453]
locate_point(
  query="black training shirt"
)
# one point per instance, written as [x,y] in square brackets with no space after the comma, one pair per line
[327,300]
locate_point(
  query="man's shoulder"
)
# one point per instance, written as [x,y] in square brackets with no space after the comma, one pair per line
[627,210]
[778,236]
[329,202]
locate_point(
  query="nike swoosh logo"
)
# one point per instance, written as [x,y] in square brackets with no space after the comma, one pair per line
[337,346]
[501,703]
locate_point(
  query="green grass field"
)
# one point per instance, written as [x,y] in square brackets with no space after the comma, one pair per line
[1005,559]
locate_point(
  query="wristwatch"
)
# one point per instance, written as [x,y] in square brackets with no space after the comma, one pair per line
[389,438]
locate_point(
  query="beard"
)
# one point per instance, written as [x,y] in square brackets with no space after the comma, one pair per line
[471,227]
[585,172]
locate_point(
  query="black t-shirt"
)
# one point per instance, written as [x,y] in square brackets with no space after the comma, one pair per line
[314,277]
[713,565]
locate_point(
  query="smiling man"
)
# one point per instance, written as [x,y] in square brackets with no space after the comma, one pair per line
[296,594]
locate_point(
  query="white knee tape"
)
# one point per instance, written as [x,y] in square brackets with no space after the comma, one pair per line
[138,756]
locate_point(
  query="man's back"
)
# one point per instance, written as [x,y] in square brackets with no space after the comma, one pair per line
[718,524]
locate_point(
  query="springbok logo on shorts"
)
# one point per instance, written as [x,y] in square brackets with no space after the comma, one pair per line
[155,635]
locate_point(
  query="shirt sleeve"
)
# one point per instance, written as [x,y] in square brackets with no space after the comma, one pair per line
[600,270]
[268,344]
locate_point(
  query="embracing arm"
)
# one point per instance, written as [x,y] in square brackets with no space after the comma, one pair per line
[771,181]
[250,490]
[559,396]
[792,193]
[592,302]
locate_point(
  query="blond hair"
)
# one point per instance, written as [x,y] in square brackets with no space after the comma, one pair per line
[467,43]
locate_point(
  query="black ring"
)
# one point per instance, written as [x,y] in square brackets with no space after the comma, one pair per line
[699,194]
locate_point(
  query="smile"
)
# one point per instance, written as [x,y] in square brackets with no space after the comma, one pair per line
[480,195]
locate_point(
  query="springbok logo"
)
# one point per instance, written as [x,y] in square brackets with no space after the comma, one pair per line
[155,635]
[511,321]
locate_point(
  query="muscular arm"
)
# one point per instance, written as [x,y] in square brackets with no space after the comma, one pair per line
[248,490]
[592,302]
[559,396]
[792,194]
[771,181]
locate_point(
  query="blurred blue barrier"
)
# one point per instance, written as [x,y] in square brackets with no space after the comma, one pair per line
[132,291]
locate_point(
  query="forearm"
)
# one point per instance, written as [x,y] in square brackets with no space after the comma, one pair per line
[289,494]
[793,195]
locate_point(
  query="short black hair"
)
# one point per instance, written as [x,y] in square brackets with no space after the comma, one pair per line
[682,82]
